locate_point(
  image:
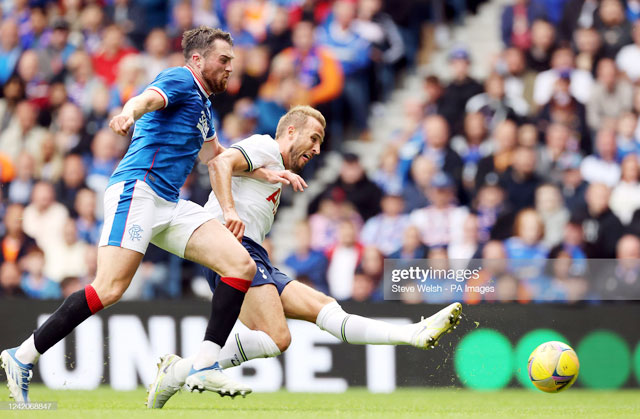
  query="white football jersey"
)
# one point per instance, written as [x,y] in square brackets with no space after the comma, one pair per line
[256,200]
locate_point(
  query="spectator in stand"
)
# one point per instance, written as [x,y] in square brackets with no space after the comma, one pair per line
[384,231]
[491,167]
[258,14]
[81,82]
[10,281]
[557,139]
[34,282]
[468,244]
[412,246]
[44,218]
[72,180]
[543,42]
[626,138]
[520,180]
[589,49]
[69,285]
[113,49]
[49,161]
[130,80]
[572,184]
[433,142]
[490,207]
[603,166]
[156,53]
[314,65]
[38,35]
[494,105]
[103,159]
[23,133]
[36,88]
[472,146]
[343,258]
[19,190]
[92,20]
[441,222]
[236,26]
[613,26]
[611,95]
[517,20]
[66,258]
[625,198]
[550,206]
[353,53]
[415,189]
[565,109]
[182,20]
[562,66]
[87,225]
[620,281]
[387,47]
[387,176]
[278,32]
[69,130]
[130,17]
[518,78]
[460,89]
[600,226]
[628,57]
[13,94]
[15,244]
[10,49]
[54,56]
[525,250]
[307,262]
[434,90]
[367,281]
[353,186]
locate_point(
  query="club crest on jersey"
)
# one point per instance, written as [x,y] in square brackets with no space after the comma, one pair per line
[134,232]
[203,125]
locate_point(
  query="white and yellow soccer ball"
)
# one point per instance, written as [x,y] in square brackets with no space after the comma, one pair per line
[553,366]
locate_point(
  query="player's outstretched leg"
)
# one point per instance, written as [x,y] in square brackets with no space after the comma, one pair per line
[166,383]
[302,302]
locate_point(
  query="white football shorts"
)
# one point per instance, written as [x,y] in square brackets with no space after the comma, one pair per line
[135,215]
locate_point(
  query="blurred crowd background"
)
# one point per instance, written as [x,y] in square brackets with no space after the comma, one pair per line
[538,161]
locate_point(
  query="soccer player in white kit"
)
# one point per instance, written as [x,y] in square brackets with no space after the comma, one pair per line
[273,296]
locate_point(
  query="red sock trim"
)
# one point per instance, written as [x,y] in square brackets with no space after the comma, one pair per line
[93,301]
[237,283]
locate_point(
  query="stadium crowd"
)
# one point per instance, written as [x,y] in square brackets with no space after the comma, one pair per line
[537,162]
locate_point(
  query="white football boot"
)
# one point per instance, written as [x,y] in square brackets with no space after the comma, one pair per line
[429,330]
[18,375]
[213,379]
[165,385]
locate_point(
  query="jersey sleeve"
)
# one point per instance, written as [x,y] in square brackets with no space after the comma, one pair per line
[259,151]
[173,85]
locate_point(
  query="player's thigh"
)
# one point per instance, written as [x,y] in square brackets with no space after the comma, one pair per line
[193,234]
[262,310]
[302,302]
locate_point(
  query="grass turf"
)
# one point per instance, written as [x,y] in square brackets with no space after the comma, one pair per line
[431,403]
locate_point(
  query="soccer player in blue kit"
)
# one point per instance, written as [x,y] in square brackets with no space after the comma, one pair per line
[274,296]
[173,126]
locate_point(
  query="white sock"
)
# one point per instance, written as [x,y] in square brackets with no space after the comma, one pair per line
[361,330]
[207,355]
[27,353]
[182,368]
[246,345]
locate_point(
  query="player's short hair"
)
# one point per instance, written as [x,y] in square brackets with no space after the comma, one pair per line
[201,39]
[297,116]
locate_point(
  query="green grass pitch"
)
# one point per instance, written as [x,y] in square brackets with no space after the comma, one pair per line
[423,403]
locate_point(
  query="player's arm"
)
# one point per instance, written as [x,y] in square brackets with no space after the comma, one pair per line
[210,149]
[148,101]
[221,168]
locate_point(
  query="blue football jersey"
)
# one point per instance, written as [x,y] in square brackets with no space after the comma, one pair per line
[166,142]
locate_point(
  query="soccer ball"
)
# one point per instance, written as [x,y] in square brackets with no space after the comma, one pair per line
[553,367]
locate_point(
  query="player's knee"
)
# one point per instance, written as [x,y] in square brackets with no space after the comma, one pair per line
[282,339]
[110,293]
[246,268]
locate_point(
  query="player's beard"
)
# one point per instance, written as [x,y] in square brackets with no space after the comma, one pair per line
[219,86]
[296,156]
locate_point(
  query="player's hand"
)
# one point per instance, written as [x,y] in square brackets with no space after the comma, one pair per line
[234,224]
[287,177]
[120,124]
